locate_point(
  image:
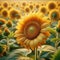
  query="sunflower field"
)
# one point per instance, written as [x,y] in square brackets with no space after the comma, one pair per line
[29,29]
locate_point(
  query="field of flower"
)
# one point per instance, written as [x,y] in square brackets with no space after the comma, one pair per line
[29,29]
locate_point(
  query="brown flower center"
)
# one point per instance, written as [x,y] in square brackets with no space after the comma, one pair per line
[5,5]
[5,13]
[32,30]
[52,6]
[43,10]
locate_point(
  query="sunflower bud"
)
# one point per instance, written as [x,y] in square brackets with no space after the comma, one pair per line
[6,32]
[5,4]
[9,24]
[2,21]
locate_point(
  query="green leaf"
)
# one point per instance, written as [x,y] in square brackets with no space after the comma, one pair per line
[48,48]
[55,39]
[11,35]
[18,52]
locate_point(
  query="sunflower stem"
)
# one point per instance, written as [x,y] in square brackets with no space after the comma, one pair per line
[36,54]
[56,44]
[8,45]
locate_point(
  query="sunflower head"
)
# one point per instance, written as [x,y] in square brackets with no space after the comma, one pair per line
[31,6]
[6,32]
[27,9]
[51,5]
[5,4]
[4,13]
[43,9]
[54,14]
[2,21]
[37,6]
[12,4]
[14,14]
[9,23]
[24,3]
[30,32]
[17,5]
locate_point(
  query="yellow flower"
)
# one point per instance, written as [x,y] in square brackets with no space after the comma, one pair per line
[54,15]
[2,21]
[27,9]
[13,13]
[30,31]
[31,6]
[4,13]
[24,3]
[37,6]
[43,9]
[51,5]
[5,4]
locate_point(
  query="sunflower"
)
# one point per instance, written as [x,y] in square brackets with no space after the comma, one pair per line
[27,9]
[51,5]
[17,5]
[54,14]
[24,3]
[12,4]
[5,4]
[43,9]
[13,13]
[2,21]
[37,6]
[30,32]
[6,32]
[9,23]
[4,13]
[31,6]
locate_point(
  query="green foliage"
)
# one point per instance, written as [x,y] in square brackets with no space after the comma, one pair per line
[56,55]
